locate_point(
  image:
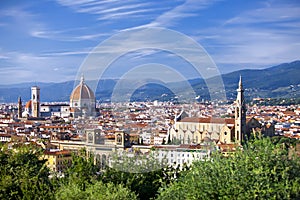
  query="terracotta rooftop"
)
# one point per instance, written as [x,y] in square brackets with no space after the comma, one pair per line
[208,120]
[62,152]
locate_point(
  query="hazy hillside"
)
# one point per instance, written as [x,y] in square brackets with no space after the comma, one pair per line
[279,81]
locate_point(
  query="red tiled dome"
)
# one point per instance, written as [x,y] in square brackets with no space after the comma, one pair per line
[28,104]
[82,91]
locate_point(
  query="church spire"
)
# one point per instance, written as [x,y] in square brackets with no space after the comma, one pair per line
[19,107]
[240,83]
[240,113]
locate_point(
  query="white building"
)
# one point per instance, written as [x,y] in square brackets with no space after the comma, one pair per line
[178,155]
[55,109]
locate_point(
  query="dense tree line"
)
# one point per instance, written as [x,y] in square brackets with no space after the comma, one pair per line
[260,170]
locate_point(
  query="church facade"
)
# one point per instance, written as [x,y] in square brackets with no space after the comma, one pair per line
[223,130]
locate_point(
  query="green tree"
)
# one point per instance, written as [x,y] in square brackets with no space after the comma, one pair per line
[261,170]
[23,174]
[94,191]
[142,174]
[82,171]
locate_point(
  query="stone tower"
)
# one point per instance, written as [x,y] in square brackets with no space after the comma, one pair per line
[35,101]
[19,107]
[240,114]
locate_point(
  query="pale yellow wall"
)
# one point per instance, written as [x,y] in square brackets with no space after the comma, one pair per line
[225,135]
[190,131]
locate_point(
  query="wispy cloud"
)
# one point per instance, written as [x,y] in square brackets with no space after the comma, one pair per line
[163,13]
[255,38]
[21,19]
[186,9]
[114,9]
[25,21]
[271,14]
[68,35]
[38,67]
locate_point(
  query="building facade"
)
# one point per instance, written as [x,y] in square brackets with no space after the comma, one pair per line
[55,109]
[187,130]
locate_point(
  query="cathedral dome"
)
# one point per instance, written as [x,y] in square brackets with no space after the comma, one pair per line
[28,104]
[82,91]
[82,101]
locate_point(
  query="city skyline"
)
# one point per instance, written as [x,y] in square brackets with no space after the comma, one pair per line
[47,41]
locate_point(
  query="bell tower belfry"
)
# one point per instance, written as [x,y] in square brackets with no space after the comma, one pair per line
[240,114]
[35,100]
[19,107]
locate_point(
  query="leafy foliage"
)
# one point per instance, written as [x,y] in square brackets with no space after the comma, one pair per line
[261,171]
[95,191]
[82,171]
[142,174]
[23,174]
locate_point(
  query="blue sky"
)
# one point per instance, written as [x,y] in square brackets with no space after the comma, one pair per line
[47,41]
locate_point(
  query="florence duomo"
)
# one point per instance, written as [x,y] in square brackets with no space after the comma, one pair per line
[82,104]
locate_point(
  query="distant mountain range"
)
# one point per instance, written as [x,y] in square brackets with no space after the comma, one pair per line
[279,81]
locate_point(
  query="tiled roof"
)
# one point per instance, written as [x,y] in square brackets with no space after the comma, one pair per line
[208,120]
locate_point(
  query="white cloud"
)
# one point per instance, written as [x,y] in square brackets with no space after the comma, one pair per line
[24,67]
[21,19]
[163,13]
[114,9]
[68,35]
[255,38]
[271,14]
[187,9]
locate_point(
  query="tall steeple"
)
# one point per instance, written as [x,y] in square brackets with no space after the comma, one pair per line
[19,107]
[240,114]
